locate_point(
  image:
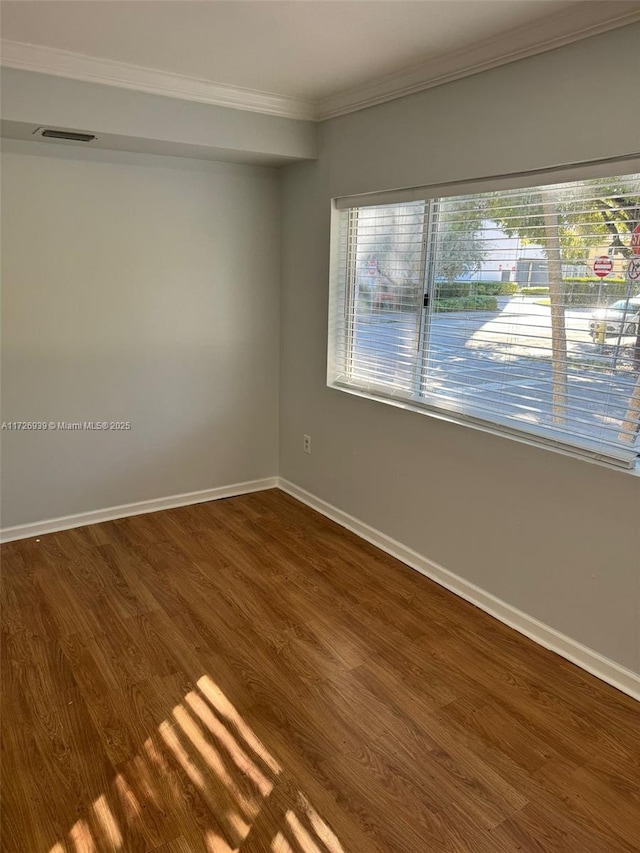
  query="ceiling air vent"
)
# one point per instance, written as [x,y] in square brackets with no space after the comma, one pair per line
[67,135]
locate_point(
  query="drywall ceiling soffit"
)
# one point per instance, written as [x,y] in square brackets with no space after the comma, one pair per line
[25,132]
[548,33]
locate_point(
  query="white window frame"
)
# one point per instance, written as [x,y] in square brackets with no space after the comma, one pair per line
[456,414]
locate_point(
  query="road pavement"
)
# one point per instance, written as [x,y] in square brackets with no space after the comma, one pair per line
[500,361]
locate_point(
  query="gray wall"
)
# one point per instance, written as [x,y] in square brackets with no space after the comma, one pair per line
[554,536]
[142,289]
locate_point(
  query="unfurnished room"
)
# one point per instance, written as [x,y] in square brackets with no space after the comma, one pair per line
[320,387]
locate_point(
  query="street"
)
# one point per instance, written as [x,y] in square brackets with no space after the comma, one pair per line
[500,362]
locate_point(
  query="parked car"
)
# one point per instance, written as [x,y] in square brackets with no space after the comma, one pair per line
[620,318]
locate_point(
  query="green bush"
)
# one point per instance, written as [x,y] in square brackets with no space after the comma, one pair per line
[494,288]
[594,280]
[451,289]
[467,303]
[584,292]
[534,291]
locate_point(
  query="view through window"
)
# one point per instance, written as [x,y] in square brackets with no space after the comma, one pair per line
[518,308]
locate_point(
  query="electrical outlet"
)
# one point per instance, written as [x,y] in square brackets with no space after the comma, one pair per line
[306,443]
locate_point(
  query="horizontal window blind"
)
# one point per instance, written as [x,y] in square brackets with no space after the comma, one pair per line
[517,309]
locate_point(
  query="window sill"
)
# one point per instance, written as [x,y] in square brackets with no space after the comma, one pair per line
[498,429]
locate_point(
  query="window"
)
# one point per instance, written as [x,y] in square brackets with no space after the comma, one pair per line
[515,310]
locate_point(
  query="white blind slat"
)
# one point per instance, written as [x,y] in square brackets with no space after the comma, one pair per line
[423,307]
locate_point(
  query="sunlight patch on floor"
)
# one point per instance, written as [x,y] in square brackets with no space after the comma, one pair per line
[237,754]
[217,844]
[211,756]
[281,845]
[81,837]
[206,740]
[128,799]
[301,835]
[108,822]
[169,736]
[226,710]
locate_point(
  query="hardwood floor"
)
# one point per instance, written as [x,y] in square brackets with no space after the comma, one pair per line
[245,675]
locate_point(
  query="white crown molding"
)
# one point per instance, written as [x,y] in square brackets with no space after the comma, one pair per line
[68,522]
[603,668]
[90,69]
[592,17]
[588,19]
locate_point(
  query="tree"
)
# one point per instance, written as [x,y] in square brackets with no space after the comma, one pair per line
[621,215]
[567,221]
[460,246]
[598,212]
[553,251]
[391,243]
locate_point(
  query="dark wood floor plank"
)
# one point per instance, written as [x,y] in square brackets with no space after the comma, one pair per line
[178,845]
[559,717]
[602,801]
[245,675]
[22,763]
[107,705]
[542,829]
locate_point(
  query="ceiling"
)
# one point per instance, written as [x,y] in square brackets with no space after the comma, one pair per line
[311,50]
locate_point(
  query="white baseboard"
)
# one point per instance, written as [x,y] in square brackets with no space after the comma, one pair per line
[607,670]
[596,664]
[39,528]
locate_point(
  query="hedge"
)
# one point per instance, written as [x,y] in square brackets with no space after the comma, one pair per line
[585,292]
[450,289]
[534,291]
[594,280]
[467,303]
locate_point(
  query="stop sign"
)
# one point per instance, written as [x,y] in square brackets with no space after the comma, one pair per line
[635,240]
[602,266]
